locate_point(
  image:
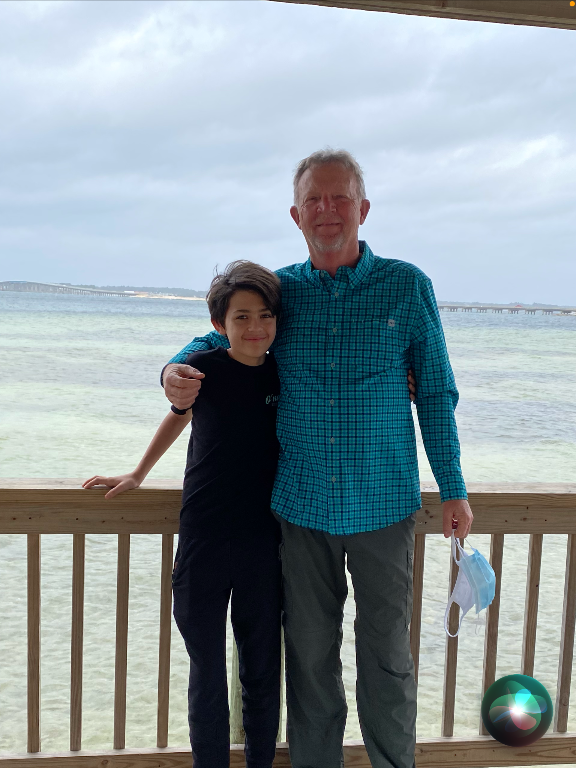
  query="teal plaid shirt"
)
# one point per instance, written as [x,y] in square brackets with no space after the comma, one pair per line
[348,459]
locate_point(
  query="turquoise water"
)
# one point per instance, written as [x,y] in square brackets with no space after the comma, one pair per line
[79,395]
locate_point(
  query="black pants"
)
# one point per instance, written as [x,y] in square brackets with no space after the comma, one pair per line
[206,573]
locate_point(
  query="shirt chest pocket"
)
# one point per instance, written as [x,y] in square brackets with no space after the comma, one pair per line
[372,347]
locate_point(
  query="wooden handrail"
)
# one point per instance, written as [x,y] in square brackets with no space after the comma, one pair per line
[46,507]
[456,752]
[49,506]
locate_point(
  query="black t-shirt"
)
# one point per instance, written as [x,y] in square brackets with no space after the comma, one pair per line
[233,449]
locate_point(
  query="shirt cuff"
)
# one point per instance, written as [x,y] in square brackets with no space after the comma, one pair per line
[451,483]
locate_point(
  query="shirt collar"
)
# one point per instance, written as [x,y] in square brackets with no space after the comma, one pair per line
[351,275]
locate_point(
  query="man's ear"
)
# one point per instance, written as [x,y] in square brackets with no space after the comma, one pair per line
[364,208]
[220,328]
[295,215]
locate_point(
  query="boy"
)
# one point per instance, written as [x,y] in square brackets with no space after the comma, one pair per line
[228,538]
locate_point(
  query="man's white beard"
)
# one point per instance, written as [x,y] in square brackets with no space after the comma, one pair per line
[334,245]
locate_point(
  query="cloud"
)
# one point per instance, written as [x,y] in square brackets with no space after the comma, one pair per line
[146,142]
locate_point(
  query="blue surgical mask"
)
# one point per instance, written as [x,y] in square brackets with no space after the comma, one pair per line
[475,585]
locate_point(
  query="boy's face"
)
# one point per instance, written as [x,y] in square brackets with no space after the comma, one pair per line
[250,327]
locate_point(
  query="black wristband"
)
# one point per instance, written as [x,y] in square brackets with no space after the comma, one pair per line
[179,411]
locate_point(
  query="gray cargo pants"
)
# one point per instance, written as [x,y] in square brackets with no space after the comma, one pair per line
[315,588]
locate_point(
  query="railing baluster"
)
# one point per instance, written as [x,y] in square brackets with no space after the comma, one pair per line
[237,733]
[122,588]
[77,641]
[282,687]
[450,658]
[281,729]
[566,639]
[416,621]
[531,603]
[164,644]
[492,619]
[33,541]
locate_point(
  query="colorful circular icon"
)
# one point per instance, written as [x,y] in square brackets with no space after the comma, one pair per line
[517,710]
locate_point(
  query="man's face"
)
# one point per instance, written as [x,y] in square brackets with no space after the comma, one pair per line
[328,209]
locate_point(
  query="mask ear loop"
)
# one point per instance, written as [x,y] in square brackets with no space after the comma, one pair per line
[446,620]
[456,543]
[453,544]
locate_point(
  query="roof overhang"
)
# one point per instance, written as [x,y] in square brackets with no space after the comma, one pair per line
[536,13]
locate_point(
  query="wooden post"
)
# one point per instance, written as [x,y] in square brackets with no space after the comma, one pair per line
[492,619]
[122,589]
[279,738]
[418,580]
[450,657]
[531,603]
[237,733]
[566,639]
[33,642]
[77,641]
[164,643]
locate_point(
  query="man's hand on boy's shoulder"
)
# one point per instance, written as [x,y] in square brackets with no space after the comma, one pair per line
[181,384]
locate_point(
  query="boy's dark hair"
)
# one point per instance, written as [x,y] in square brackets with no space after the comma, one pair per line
[243,276]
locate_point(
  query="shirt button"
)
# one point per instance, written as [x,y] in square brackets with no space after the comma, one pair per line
[333,479]
[331,439]
[332,365]
[336,294]
[333,330]
[331,402]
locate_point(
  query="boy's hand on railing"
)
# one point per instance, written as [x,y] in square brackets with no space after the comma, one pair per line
[118,484]
[181,384]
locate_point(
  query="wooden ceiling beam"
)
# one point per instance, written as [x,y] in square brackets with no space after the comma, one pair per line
[536,13]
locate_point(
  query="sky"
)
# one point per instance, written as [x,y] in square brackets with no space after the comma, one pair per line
[147,143]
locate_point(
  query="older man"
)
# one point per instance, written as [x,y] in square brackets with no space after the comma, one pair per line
[347,485]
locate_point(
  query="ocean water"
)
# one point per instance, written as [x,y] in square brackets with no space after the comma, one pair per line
[79,395]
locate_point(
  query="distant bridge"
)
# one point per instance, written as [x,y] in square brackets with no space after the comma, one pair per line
[510,309]
[25,286]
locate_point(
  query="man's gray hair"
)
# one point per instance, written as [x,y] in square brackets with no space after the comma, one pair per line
[324,157]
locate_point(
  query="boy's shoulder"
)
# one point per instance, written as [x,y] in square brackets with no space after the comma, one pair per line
[219,360]
[207,359]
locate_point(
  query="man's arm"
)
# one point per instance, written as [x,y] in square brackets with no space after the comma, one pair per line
[436,400]
[182,382]
[170,429]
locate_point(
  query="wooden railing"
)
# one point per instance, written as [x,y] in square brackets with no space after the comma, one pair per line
[52,507]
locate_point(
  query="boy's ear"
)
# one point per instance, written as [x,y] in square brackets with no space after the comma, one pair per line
[220,328]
